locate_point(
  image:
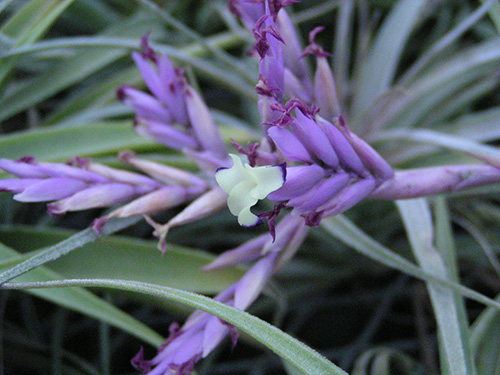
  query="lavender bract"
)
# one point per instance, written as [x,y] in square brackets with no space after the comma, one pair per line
[73,188]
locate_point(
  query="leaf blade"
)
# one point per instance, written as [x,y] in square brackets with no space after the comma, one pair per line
[61,144]
[121,257]
[454,348]
[298,354]
[378,70]
[83,301]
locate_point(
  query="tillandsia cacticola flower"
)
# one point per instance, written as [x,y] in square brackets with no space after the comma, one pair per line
[308,164]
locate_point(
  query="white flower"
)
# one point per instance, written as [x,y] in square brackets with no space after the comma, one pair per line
[246,185]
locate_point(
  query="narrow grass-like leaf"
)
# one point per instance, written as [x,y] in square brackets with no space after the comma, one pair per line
[444,242]
[455,104]
[494,13]
[298,354]
[29,24]
[455,356]
[290,369]
[466,126]
[65,247]
[99,113]
[448,39]
[222,40]
[4,4]
[100,12]
[116,257]
[81,300]
[106,49]
[33,19]
[485,336]
[347,232]
[378,70]
[476,230]
[407,106]
[342,48]
[383,361]
[314,12]
[45,46]
[446,247]
[75,69]
[61,144]
[232,63]
[92,99]
[486,153]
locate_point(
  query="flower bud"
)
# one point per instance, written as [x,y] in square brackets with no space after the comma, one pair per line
[161,172]
[203,124]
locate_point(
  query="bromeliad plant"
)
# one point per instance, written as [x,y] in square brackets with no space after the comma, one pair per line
[310,162]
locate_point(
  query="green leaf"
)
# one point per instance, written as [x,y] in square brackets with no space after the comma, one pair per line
[120,43]
[342,48]
[378,70]
[290,369]
[81,300]
[385,361]
[489,154]
[485,336]
[61,144]
[92,99]
[445,244]
[29,24]
[454,348]
[446,40]
[447,78]
[70,71]
[298,354]
[455,104]
[466,126]
[347,232]
[32,20]
[116,257]
[222,56]
[100,12]
[494,13]
[56,251]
